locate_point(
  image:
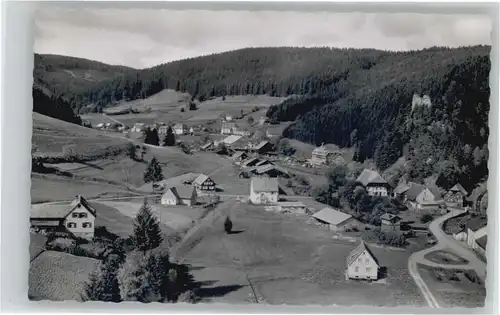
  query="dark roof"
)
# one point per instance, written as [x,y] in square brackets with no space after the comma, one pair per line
[354,254]
[390,217]
[482,241]
[262,144]
[476,223]
[368,177]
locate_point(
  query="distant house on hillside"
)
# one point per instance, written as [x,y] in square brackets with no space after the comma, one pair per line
[263,147]
[374,184]
[456,196]
[204,183]
[180,195]
[337,220]
[362,264]
[321,156]
[239,156]
[390,223]
[181,129]
[270,170]
[162,130]
[428,199]
[264,190]
[250,162]
[138,127]
[263,120]
[77,218]
[264,162]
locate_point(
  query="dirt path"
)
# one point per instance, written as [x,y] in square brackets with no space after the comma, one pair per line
[444,242]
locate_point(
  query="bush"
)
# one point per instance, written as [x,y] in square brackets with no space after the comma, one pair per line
[384,238]
[426,217]
[61,244]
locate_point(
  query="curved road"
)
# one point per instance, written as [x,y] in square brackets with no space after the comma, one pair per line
[444,242]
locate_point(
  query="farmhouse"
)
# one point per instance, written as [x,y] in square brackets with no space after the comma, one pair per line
[162,130]
[264,190]
[362,264]
[390,223]
[239,156]
[180,195]
[289,207]
[374,184]
[455,197]
[320,156]
[263,147]
[427,199]
[250,162]
[231,140]
[77,218]
[181,129]
[337,220]
[204,183]
[270,170]
[264,162]
[138,127]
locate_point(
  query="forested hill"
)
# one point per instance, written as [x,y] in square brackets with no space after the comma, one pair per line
[44,102]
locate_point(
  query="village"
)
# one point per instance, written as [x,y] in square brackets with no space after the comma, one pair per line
[360,227]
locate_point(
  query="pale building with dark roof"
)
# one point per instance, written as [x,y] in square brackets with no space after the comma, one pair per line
[180,195]
[362,264]
[337,221]
[264,190]
[374,183]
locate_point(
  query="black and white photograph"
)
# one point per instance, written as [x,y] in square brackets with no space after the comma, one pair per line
[275,157]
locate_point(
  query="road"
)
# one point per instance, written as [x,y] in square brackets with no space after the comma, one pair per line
[444,242]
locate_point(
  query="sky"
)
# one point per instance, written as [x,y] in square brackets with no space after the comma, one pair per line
[142,38]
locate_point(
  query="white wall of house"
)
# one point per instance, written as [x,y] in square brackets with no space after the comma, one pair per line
[263,197]
[80,222]
[388,226]
[377,191]
[364,267]
[169,199]
[473,236]
[187,201]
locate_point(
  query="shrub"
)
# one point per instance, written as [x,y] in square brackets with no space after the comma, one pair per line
[385,238]
[61,244]
[426,217]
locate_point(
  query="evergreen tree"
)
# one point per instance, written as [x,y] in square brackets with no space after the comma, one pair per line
[147,233]
[169,139]
[103,285]
[131,151]
[153,173]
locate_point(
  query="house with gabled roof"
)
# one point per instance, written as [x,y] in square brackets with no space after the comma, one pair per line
[263,147]
[337,220]
[77,218]
[239,156]
[428,199]
[250,162]
[207,146]
[390,222]
[180,195]
[456,196]
[264,162]
[362,264]
[264,190]
[204,183]
[374,184]
[270,170]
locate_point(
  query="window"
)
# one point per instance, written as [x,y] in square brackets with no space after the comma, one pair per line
[356,269]
[71,225]
[82,215]
[368,269]
[367,260]
[74,214]
[87,225]
[360,260]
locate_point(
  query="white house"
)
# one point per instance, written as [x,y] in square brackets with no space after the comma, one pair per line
[320,156]
[264,190]
[77,218]
[337,220]
[138,127]
[204,183]
[374,184]
[362,264]
[180,195]
[428,199]
[181,129]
